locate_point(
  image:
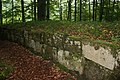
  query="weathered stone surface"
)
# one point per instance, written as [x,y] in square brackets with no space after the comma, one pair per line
[36,36]
[32,44]
[58,41]
[49,39]
[101,56]
[93,71]
[43,48]
[95,62]
[76,65]
[72,63]
[38,46]
[118,58]
[72,48]
[60,56]
[55,54]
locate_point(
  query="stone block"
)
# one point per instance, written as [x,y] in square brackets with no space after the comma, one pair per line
[38,46]
[101,56]
[93,71]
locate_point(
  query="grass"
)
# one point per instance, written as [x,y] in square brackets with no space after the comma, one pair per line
[5,70]
[104,31]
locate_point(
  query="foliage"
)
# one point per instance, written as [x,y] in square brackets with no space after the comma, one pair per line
[4,70]
[108,10]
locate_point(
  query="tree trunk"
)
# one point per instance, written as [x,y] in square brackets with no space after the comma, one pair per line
[12,11]
[75,9]
[1,12]
[23,14]
[48,9]
[60,10]
[32,14]
[113,12]
[109,5]
[89,10]
[69,10]
[118,10]
[41,9]
[80,10]
[101,10]
[96,10]
[35,10]
[93,10]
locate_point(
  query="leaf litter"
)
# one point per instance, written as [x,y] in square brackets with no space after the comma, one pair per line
[28,66]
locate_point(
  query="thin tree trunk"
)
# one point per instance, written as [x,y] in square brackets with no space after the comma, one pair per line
[66,12]
[89,10]
[60,10]
[113,5]
[75,9]
[32,10]
[35,10]
[12,12]
[69,10]
[23,14]
[106,9]
[48,9]
[113,12]
[93,10]
[80,10]
[109,5]
[101,10]
[109,10]
[1,12]
[41,9]
[117,9]
[96,11]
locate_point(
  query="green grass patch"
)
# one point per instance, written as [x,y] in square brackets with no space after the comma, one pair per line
[5,70]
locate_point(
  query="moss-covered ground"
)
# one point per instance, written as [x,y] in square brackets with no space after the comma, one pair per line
[105,32]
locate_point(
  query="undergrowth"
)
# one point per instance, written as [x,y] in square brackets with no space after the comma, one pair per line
[107,31]
[5,70]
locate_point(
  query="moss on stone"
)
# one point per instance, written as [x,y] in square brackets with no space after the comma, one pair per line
[83,29]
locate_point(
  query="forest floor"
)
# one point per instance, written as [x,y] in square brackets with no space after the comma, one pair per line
[27,66]
[106,33]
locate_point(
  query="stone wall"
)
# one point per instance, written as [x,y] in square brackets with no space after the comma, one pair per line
[91,59]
